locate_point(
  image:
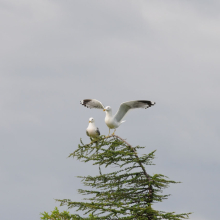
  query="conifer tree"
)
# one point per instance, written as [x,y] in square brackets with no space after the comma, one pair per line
[126,193]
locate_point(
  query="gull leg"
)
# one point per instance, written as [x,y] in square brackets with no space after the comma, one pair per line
[91,141]
[108,133]
[114,132]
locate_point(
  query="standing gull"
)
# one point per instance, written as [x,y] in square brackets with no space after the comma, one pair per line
[115,121]
[92,131]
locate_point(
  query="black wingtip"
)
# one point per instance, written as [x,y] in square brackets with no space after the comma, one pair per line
[149,103]
[84,102]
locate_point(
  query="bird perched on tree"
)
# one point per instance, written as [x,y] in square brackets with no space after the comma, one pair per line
[114,121]
[92,131]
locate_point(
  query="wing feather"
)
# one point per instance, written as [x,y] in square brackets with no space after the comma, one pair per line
[126,106]
[87,132]
[92,103]
[97,131]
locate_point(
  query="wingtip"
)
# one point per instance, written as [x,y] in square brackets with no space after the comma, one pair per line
[82,103]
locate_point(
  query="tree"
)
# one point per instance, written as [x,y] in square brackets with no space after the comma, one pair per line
[126,193]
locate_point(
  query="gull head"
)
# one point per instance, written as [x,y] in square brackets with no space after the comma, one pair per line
[107,109]
[91,120]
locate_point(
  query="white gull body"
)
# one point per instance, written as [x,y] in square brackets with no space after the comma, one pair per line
[110,120]
[92,130]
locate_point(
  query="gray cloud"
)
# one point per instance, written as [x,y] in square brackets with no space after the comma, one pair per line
[53,54]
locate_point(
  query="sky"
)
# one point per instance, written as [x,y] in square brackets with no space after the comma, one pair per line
[56,53]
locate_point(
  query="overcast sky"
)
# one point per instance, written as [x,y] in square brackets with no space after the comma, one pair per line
[55,53]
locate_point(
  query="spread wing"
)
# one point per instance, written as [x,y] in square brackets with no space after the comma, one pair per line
[126,106]
[92,103]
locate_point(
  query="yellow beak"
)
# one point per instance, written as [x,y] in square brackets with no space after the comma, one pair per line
[89,121]
[103,110]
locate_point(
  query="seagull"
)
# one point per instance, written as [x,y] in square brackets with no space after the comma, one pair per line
[114,121]
[92,131]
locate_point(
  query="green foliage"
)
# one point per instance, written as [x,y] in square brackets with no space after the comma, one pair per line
[56,215]
[126,193]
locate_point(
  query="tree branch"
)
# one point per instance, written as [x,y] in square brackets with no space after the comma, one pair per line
[141,165]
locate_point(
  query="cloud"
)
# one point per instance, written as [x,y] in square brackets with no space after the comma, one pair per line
[53,54]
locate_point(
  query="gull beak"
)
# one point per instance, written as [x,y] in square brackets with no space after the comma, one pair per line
[89,121]
[103,110]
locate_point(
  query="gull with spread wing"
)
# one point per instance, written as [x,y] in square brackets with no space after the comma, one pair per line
[114,121]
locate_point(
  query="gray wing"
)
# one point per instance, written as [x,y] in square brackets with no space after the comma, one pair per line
[126,106]
[92,103]
[97,131]
[87,133]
